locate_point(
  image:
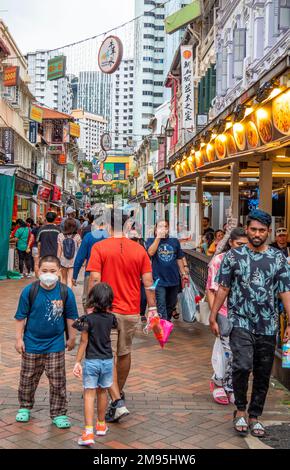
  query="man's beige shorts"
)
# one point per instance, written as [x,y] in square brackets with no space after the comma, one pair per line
[122,337]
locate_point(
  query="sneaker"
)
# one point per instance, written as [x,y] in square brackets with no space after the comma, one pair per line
[87,439]
[29,276]
[116,412]
[101,429]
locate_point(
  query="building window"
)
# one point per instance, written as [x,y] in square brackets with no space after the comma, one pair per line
[239,51]
[159,39]
[149,13]
[148,71]
[158,72]
[147,82]
[158,83]
[159,28]
[284,14]
[158,61]
[148,59]
[147,104]
[159,49]
[148,36]
[148,48]
[158,95]
[148,25]
[144,126]
[148,93]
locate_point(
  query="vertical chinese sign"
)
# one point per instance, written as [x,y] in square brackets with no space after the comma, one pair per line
[187,86]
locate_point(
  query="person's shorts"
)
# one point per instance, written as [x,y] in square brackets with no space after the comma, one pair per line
[122,336]
[98,373]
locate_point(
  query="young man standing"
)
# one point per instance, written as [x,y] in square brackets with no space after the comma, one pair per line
[122,263]
[281,241]
[47,236]
[252,277]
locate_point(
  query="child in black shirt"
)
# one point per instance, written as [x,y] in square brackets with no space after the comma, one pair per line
[97,370]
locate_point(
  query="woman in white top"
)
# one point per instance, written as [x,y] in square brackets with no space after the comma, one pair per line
[68,245]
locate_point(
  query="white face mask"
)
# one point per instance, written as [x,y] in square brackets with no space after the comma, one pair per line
[48,279]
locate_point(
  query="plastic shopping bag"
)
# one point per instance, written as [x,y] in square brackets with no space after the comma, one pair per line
[188,303]
[161,329]
[218,359]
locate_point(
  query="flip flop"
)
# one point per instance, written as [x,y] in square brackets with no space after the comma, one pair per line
[23,415]
[240,422]
[220,396]
[61,422]
[257,428]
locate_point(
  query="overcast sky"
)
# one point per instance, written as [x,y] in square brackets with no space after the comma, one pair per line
[48,24]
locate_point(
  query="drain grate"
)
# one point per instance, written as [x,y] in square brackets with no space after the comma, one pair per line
[277,436]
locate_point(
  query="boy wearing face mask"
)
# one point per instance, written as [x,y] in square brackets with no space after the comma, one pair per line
[40,327]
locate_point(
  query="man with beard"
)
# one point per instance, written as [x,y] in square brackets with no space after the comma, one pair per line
[252,277]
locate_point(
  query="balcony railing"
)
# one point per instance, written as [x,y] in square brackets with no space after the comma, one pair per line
[198,268]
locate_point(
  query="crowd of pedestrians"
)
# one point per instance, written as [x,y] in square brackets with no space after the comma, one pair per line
[127,276]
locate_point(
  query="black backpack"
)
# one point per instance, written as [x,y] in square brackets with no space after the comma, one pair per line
[69,248]
[63,294]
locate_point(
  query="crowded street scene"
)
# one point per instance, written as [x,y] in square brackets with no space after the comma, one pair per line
[145,231]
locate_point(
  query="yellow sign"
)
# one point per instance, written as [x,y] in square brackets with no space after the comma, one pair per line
[36,114]
[74,129]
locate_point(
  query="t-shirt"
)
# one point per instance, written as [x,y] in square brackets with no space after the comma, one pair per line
[85,249]
[255,279]
[47,236]
[213,269]
[285,250]
[45,327]
[164,262]
[22,234]
[121,263]
[99,326]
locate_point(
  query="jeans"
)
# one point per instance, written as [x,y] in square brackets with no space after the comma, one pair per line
[166,299]
[251,353]
[24,258]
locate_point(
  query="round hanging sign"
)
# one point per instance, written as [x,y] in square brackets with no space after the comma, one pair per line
[110,54]
[106,142]
[107,177]
[102,155]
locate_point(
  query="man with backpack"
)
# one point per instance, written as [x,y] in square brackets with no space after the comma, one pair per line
[68,245]
[45,311]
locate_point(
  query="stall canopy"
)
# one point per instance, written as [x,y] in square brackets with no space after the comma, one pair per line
[7,184]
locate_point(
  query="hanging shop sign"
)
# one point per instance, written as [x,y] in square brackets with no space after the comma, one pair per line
[62,159]
[79,195]
[107,176]
[70,167]
[56,68]
[106,142]
[36,114]
[56,193]
[33,127]
[74,129]
[8,144]
[43,193]
[187,86]
[183,17]
[11,76]
[102,155]
[55,149]
[110,54]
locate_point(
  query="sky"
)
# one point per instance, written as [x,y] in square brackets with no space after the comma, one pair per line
[48,24]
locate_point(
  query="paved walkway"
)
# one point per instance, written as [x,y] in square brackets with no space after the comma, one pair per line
[167,395]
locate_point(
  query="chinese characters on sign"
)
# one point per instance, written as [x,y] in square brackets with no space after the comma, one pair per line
[11,76]
[187,86]
[56,68]
[8,144]
[110,54]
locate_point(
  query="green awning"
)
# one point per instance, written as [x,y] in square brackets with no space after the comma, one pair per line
[183,17]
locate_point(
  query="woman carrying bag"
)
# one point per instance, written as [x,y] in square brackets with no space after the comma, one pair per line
[21,237]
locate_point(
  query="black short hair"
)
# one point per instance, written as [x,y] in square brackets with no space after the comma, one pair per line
[51,216]
[49,259]
[237,233]
[260,216]
[100,297]
[206,218]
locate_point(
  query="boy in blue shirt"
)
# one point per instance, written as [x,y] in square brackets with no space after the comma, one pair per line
[45,310]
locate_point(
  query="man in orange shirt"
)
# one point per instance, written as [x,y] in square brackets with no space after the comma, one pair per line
[122,263]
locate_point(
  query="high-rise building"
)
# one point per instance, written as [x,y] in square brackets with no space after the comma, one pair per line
[92,127]
[56,94]
[94,93]
[122,106]
[151,59]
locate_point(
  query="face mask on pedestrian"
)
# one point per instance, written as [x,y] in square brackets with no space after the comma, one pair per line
[48,279]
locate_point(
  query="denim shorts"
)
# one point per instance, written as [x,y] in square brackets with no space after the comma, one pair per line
[98,373]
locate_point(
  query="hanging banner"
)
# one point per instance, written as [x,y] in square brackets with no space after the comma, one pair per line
[187,86]
[33,126]
[56,193]
[11,76]
[43,193]
[8,144]
[74,129]
[110,54]
[56,68]
[36,114]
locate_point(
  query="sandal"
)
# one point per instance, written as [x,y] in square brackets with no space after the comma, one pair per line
[220,396]
[61,422]
[175,315]
[23,415]
[240,422]
[257,429]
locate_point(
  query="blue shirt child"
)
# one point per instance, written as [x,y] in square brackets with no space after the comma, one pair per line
[45,327]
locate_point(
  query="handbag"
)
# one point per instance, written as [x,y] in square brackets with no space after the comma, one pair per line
[225,326]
